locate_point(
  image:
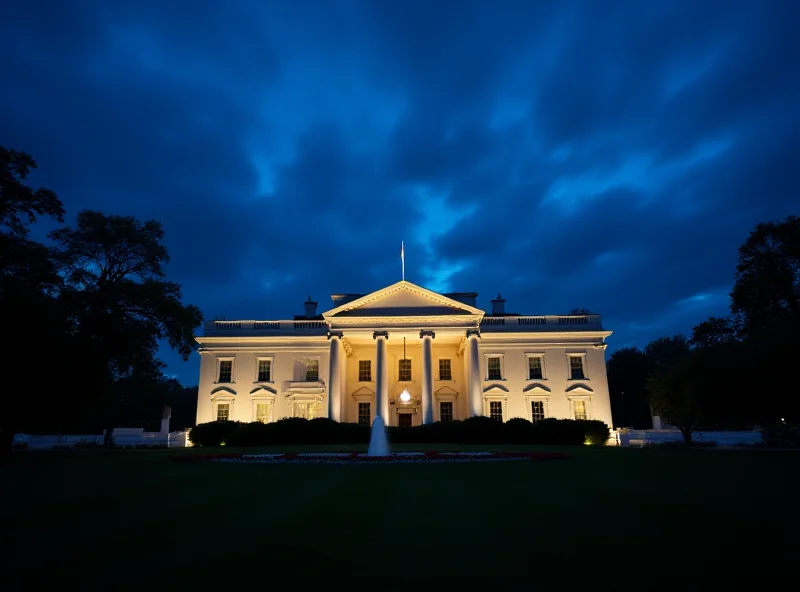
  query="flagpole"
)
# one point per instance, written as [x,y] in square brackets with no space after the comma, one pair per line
[403,259]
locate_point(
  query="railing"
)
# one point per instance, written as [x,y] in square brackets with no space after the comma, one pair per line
[573,320]
[264,326]
[542,323]
[309,324]
[493,321]
[531,321]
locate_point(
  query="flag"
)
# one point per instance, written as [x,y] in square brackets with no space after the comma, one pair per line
[403,258]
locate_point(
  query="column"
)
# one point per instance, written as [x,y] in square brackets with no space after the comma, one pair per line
[475,383]
[381,376]
[334,377]
[427,375]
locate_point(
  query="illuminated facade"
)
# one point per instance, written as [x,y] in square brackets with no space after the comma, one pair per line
[409,354]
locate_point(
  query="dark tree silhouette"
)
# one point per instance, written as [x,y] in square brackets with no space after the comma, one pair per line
[120,305]
[628,369]
[28,308]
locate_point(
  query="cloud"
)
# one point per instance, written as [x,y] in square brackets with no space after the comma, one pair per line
[607,155]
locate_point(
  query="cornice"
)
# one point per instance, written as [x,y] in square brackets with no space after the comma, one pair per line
[396,287]
[421,321]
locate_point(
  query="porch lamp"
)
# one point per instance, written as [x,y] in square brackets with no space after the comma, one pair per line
[405,396]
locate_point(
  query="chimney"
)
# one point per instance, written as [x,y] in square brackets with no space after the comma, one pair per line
[498,306]
[311,308]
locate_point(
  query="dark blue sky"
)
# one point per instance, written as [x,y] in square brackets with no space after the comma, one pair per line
[609,155]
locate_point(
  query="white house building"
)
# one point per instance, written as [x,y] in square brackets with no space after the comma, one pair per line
[408,354]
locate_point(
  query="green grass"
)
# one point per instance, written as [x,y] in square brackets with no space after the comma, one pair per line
[605,519]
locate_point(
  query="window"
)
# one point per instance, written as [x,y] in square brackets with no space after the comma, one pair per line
[580,409]
[445,370]
[404,370]
[494,369]
[364,415]
[264,370]
[446,410]
[312,371]
[262,412]
[223,409]
[576,368]
[537,411]
[307,410]
[535,368]
[364,371]
[496,410]
[225,371]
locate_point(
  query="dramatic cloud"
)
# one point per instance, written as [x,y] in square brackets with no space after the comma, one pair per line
[610,155]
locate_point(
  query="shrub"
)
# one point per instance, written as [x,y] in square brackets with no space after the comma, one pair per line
[481,430]
[564,432]
[249,434]
[475,430]
[520,431]
[214,433]
[595,432]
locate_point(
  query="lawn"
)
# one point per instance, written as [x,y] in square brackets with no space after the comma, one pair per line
[605,519]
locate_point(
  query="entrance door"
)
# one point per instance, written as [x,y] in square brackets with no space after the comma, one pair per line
[404,420]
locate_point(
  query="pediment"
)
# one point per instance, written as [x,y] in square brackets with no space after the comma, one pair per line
[446,391]
[223,390]
[536,389]
[402,299]
[263,391]
[498,389]
[579,389]
[363,392]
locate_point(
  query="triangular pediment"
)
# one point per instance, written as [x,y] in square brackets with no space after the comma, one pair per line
[402,299]
[579,389]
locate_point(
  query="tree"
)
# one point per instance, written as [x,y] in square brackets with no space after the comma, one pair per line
[120,305]
[766,291]
[674,396]
[667,351]
[628,369]
[766,297]
[20,204]
[28,284]
[715,331]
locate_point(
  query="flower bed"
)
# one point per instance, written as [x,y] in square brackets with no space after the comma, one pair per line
[362,458]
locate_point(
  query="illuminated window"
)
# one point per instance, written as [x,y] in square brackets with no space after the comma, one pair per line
[264,370]
[580,409]
[535,368]
[576,368]
[496,410]
[307,410]
[446,411]
[223,409]
[225,370]
[445,370]
[262,412]
[537,411]
[404,370]
[494,372]
[312,370]
[364,415]
[365,371]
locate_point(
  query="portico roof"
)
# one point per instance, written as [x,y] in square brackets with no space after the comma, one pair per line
[402,299]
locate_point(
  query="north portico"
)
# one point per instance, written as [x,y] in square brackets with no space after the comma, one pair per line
[408,354]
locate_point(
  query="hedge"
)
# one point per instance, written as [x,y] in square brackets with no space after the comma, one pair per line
[475,430]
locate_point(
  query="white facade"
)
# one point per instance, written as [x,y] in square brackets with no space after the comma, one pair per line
[357,359]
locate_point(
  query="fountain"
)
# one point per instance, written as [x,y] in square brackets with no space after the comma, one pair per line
[378,444]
